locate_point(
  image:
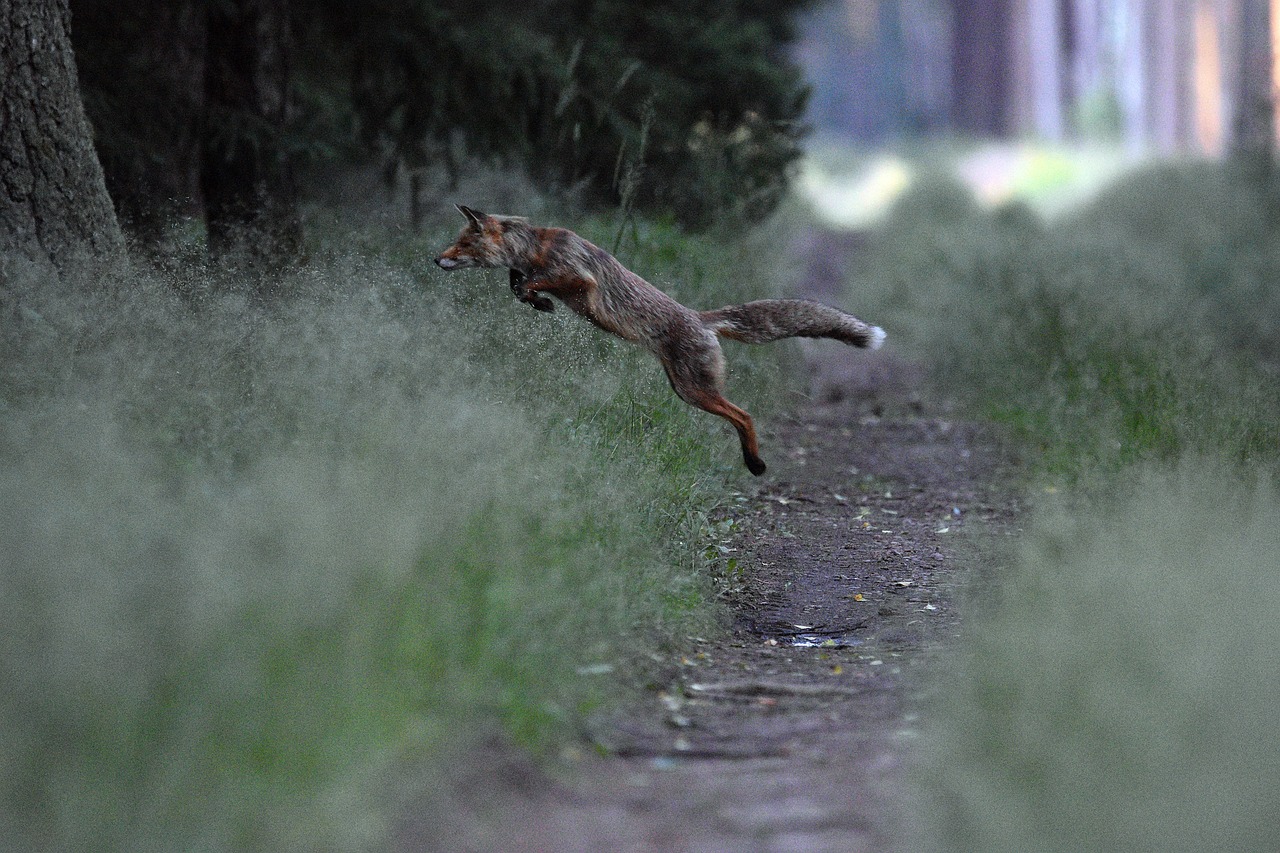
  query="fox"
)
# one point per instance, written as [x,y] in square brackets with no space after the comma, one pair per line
[550,261]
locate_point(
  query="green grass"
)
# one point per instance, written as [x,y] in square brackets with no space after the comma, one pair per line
[1104,339]
[265,562]
[1116,688]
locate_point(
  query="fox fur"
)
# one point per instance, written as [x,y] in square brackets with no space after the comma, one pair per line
[592,283]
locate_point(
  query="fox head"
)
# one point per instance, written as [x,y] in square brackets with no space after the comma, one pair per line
[479,244]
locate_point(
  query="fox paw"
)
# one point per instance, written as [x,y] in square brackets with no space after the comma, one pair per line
[517,283]
[520,287]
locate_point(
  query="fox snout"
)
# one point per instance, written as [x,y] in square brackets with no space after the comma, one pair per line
[459,257]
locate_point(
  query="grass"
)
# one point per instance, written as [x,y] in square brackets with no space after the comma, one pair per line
[1099,343]
[1115,689]
[1118,688]
[262,558]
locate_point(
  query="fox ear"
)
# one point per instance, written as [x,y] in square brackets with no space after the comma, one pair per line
[473,216]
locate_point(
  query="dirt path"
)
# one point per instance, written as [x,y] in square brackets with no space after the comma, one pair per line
[789,734]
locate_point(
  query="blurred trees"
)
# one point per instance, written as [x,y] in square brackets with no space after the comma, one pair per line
[1168,74]
[142,76]
[246,171]
[201,106]
[1171,76]
[191,102]
[1255,130]
[561,87]
[980,44]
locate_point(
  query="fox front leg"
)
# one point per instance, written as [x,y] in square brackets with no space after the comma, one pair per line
[518,282]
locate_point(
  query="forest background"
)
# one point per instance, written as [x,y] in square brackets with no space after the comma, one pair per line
[293,521]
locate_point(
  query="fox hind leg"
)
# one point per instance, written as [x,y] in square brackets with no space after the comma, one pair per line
[697,377]
[716,404]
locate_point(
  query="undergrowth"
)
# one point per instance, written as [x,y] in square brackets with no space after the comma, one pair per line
[1117,689]
[263,556]
[1110,693]
[1116,335]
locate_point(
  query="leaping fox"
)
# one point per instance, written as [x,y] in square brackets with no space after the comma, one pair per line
[593,283]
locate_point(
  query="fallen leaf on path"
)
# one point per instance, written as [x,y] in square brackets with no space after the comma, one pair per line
[595,669]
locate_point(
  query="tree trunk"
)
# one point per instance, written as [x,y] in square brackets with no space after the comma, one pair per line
[1255,108]
[246,178]
[1167,63]
[1046,91]
[980,41]
[54,207]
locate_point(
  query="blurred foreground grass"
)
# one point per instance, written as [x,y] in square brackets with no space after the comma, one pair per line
[1116,689]
[265,562]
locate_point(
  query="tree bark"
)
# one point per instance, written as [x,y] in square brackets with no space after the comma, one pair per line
[54,207]
[246,177]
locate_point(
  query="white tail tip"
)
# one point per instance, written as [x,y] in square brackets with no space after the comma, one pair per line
[877,337]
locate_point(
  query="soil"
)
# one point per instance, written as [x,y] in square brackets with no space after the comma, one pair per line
[790,732]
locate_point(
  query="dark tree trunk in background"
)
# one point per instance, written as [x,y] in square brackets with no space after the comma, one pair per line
[246,178]
[1254,137]
[142,74]
[151,193]
[981,71]
[54,206]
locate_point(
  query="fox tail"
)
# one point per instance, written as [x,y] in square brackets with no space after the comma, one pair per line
[774,319]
